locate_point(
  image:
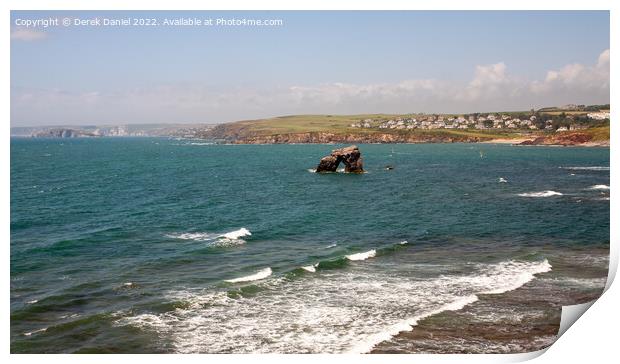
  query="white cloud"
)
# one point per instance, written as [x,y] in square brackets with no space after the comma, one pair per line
[488,80]
[492,88]
[603,60]
[577,78]
[27,35]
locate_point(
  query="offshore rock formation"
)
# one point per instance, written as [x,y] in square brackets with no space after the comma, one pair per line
[350,156]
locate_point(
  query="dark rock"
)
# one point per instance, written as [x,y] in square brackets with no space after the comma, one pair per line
[573,138]
[328,164]
[537,141]
[350,156]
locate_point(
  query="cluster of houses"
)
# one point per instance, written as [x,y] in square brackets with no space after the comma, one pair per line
[601,115]
[482,122]
[490,121]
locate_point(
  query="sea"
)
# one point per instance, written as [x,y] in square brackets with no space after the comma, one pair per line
[156,245]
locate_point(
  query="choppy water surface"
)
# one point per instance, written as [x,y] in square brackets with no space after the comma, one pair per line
[156,245]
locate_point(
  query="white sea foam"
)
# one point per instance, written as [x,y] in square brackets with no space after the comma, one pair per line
[362,256]
[227,239]
[365,346]
[35,331]
[508,276]
[541,194]
[599,187]
[337,311]
[310,268]
[404,242]
[502,180]
[191,236]
[72,315]
[331,246]
[237,234]
[32,302]
[590,168]
[262,274]
[500,278]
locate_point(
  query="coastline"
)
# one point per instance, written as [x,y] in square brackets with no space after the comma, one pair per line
[560,139]
[501,141]
[522,320]
[523,141]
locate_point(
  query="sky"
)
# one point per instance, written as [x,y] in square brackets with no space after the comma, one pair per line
[336,62]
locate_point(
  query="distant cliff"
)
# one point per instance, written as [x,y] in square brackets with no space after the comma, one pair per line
[62,133]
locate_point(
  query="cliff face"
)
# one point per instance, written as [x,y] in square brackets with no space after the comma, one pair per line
[565,139]
[62,133]
[246,132]
[326,138]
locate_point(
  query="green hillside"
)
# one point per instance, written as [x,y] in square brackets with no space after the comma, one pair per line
[339,124]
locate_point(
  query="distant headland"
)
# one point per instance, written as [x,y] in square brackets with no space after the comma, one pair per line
[567,125]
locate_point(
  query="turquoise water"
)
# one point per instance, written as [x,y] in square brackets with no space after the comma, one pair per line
[157,245]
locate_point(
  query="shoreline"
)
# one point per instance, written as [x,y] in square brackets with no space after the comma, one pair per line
[522,320]
[500,141]
[523,140]
[562,139]
[464,332]
[514,142]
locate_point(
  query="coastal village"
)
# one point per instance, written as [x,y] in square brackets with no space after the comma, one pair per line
[565,125]
[546,122]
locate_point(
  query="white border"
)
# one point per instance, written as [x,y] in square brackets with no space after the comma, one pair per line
[592,337]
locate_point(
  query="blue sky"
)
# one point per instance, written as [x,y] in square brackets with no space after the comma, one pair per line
[316,62]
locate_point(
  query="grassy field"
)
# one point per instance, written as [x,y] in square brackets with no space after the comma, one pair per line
[306,123]
[566,112]
[599,134]
[341,124]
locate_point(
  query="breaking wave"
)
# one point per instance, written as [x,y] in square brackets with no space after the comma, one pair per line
[35,331]
[227,239]
[310,268]
[262,274]
[501,277]
[599,187]
[237,234]
[541,194]
[362,256]
[591,168]
[348,311]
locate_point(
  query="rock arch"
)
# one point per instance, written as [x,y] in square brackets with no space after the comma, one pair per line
[350,156]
